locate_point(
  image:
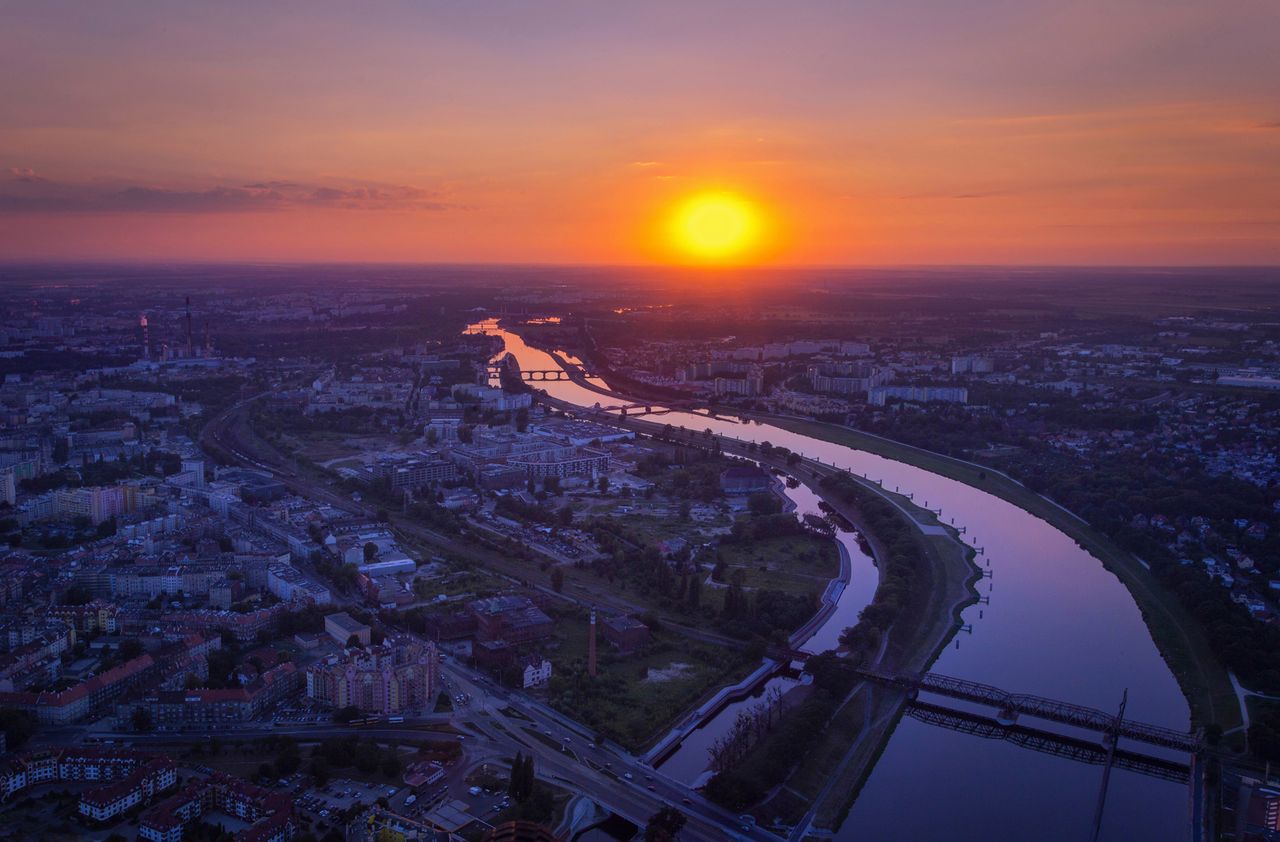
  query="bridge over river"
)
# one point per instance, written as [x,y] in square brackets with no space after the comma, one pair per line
[1012,705]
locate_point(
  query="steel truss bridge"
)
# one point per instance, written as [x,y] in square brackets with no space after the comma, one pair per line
[1012,705]
[1046,742]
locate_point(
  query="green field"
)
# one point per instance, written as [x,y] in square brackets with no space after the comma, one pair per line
[799,564]
[636,697]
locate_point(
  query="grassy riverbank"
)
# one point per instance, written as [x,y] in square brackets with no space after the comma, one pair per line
[1203,679]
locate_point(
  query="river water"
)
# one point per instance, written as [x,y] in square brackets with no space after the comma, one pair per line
[1057,625]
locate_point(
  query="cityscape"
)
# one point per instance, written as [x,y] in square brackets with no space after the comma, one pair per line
[563,423]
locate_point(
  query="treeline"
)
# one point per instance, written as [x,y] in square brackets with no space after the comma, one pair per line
[792,737]
[356,419]
[904,574]
[517,509]
[904,586]
[762,615]
[1111,497]
[152,463]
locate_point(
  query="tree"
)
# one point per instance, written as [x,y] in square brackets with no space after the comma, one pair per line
[603,485]
[319,769]
[76,595]
[557,579]
[130,648]
[141,720]
[521,785]
[695,591]
[370,551]
[517,769]
[664,825]
[288,760]
[17,725]
[353,642]
[347,713]
[763,503]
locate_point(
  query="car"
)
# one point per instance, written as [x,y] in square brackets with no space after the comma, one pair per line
[628,776]
[685,801]
[591,745]
[652,787]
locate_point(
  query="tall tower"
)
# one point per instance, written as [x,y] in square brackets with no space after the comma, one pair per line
[591,647]
[146,336]
[190,346]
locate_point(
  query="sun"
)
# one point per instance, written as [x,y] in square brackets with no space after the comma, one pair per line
[716,226]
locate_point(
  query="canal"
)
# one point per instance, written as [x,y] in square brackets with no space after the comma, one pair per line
[1057,624]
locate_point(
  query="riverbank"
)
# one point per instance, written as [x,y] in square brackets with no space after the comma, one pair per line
[822,786]
[1204,681]
[830,777]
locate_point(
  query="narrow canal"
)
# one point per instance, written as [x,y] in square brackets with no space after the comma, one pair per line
[1057,625]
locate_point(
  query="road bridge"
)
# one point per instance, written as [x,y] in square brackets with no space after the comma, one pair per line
[535,374]
[1012,705]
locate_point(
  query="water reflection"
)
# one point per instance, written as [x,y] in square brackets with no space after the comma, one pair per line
[1058,625]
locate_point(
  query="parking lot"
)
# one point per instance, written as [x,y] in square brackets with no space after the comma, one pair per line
[340,794]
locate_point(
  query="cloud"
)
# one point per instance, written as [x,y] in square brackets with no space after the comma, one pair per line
[988,194]
[25,174]
[1275,125]
[24,192]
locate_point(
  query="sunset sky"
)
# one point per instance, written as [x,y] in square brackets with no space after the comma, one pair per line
[1100,131]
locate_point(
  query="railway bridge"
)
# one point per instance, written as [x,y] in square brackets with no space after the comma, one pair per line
[1013,705]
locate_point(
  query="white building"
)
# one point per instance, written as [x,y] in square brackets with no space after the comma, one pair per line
[537,672]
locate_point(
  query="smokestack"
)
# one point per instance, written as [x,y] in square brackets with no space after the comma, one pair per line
[190,347]
[591,647]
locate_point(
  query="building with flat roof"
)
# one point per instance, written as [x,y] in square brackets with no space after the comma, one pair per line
[341,626]
[627,634]
[744,479]
[512,618]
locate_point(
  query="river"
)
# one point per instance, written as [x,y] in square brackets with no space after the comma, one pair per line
[1057,625]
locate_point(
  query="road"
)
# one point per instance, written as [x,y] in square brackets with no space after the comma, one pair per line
[510,720]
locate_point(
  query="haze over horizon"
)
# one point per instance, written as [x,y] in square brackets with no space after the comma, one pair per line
[1134,133]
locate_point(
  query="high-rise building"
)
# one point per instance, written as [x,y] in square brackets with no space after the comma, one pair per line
[401,674]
